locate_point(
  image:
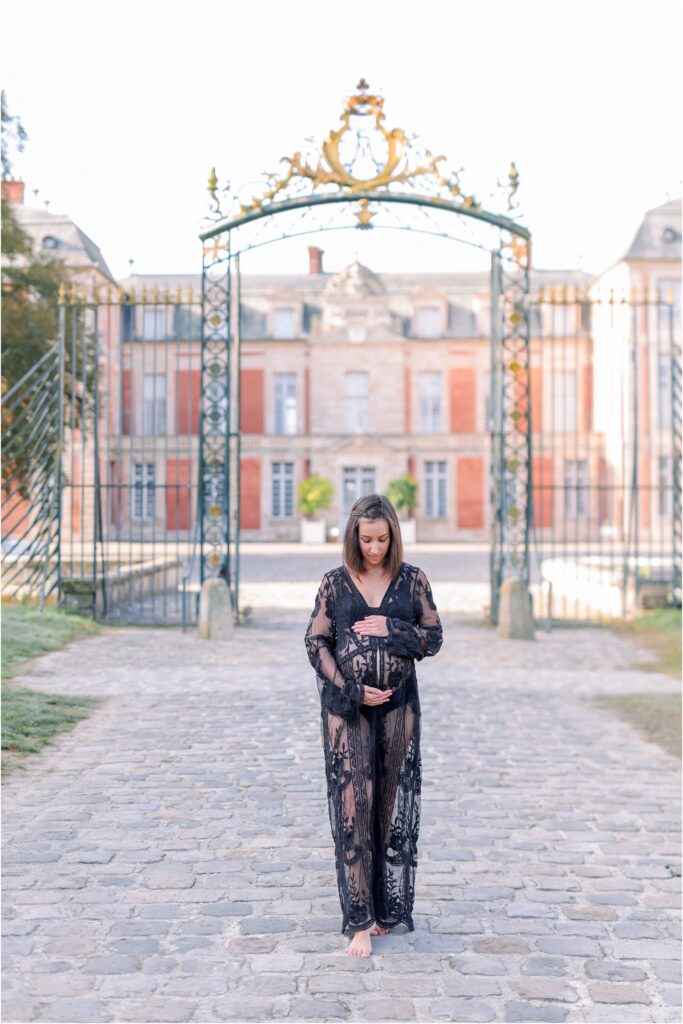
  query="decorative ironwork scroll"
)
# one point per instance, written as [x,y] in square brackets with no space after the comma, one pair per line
[511,427]
[216,407]
[361,156]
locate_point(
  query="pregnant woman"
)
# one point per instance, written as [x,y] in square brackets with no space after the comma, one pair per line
[374,617]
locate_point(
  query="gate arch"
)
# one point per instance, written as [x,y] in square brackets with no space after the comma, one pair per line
[362,170]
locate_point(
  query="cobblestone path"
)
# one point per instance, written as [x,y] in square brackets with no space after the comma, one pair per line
[171,859]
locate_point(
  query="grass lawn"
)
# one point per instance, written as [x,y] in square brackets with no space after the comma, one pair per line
[30,718]
[660,631]
[656,715]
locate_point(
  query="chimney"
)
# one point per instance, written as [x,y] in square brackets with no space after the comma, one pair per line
[13,192]
[315,260]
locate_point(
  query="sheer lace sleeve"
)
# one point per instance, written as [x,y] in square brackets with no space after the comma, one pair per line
[341,695]
[424,638]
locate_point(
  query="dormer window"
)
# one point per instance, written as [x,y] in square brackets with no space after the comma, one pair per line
[284,322]
[50,242]
[357,321]
[428,322]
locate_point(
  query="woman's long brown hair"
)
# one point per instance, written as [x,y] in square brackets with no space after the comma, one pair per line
[372,506]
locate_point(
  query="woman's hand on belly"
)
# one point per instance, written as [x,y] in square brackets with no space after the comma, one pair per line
[375,696]
[371,625]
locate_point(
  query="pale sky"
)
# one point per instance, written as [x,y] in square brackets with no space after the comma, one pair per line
[128,105]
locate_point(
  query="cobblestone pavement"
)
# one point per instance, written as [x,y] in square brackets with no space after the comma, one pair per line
[170,859]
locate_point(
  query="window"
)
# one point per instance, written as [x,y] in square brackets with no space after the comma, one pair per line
[664,390]
[284,322]
[564,401]
[282,490]
[429,390]
[285,403]
[357,384]
[576,488]
[143,495]
[50,242]
[665,486]
[356,481]
[154,324]
[428,322]
[357,324]
[154,404]
[435,490]
[668,295]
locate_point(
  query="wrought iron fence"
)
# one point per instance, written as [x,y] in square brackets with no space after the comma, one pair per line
[130,480]
[31,417]
[606,446]
[102,458]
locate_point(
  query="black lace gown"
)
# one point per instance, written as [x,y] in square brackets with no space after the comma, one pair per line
[372,753]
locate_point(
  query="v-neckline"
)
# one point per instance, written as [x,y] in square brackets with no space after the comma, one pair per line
[372,607]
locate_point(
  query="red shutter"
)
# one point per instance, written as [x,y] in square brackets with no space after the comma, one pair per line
[178,489]
[251,401]
[188,395]
[250,494]
[115,490]
[644,489]
[542,479]
[463,399]
[470,483]
[126,417]
[644,391]
[587,403]
[536,399]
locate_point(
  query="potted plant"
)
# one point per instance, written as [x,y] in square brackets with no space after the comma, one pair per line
[402,493]
[314,493]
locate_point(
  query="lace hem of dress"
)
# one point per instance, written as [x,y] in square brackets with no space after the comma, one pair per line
[351,929]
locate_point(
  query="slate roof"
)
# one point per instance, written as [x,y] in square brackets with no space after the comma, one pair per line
[72,245]
[659,235]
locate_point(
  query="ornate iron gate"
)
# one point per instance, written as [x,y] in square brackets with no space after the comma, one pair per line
[359,178]
[130,462]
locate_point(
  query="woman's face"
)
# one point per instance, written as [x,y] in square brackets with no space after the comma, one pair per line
[374,538]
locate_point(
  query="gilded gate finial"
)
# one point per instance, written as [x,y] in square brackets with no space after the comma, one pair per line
[362,155]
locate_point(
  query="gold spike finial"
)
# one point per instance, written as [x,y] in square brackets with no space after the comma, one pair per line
[62,294]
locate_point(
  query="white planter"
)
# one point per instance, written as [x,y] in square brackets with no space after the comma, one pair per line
[407,530]
[312,531]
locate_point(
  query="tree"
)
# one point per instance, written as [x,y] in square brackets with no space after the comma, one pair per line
[313,494]
[402,492]
[30,281]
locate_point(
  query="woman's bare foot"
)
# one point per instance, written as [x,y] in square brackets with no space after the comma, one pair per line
[360,944]
[378,929]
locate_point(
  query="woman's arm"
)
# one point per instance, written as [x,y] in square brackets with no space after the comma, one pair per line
[342,695]
[420,640]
